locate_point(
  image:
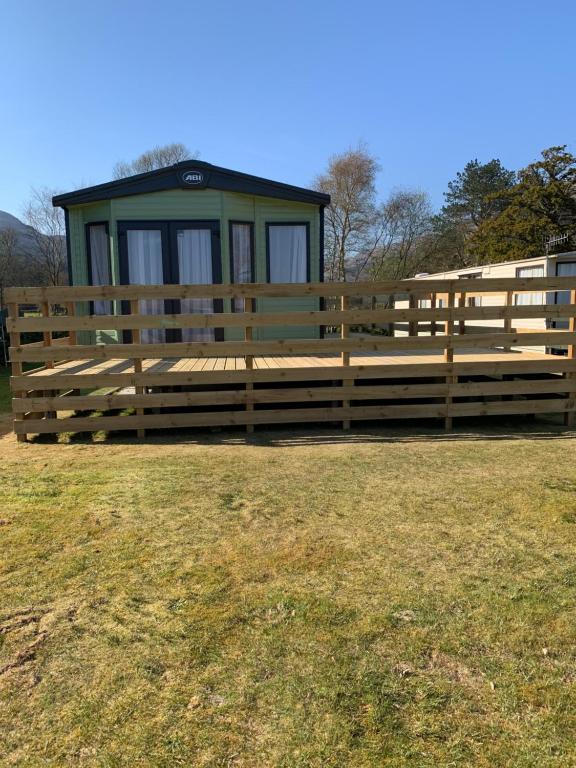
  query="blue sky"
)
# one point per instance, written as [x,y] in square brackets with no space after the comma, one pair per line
[275,88]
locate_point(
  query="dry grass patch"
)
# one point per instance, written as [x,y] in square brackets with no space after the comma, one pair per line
[295,601]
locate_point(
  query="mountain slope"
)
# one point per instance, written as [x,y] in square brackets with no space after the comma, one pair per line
[24,233]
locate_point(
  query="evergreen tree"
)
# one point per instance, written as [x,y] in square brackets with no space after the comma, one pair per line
[542,203]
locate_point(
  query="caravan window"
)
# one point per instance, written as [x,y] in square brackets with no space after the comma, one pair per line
[241,256]
[98,248]
[526,299]
[288,253]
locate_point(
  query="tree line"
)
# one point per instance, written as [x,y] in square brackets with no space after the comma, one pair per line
[38,256]
[35,255]
[490,214]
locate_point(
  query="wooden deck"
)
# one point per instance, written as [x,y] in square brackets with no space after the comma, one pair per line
[348,377]
[174,365]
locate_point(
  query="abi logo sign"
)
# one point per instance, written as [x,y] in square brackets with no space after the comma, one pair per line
[193,178]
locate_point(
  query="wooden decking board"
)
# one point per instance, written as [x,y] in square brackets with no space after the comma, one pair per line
[171,365]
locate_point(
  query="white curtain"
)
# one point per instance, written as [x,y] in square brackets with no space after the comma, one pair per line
[527,299]
[100,264]
[195,268]
[288,253]
[241,258]
[145,268]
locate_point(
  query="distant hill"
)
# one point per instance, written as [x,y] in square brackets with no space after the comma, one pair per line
[24,232]
[30,266]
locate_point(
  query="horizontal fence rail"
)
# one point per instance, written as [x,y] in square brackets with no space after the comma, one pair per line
[387,350]
[32,353]
[263,319]
[56,294]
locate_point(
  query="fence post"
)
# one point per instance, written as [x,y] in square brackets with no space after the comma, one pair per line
[507,317]
[412,324]
[345,355]
[72,335]
[16,365]
[462,304]
[391,304]
[45,309]
[71,312]
[570,416]
[249,359]
[137,339]
[449,358]
[432,320]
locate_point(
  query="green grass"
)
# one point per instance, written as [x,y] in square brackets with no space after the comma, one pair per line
[4,388]
[5,394]
[296,601]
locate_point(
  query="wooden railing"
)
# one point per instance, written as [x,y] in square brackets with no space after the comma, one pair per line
[335,388]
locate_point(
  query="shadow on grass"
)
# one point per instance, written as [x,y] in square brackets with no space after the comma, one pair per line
[470,430]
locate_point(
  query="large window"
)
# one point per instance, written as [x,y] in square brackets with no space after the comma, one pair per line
[288,253]
[163,252]
[145,267]
[98,247]
[527,299]
[195,267]
[241,256]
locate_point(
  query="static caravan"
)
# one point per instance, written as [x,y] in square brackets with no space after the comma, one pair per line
[196,223]
[557,265]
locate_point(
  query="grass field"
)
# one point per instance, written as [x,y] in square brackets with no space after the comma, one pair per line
[294,602]
[299,600]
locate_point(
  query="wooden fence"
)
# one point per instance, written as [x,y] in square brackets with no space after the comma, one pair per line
[349,376]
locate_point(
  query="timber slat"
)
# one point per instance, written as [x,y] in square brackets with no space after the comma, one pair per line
[32,353]
[262,319]
[290,415]
[64,294]
[240,397]
[408,370]
[295,394]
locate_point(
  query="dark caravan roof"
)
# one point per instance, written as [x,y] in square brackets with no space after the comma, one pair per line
[191,175]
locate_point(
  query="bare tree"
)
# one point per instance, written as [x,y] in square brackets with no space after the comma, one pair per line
[152,159]
[12,272]
[404,237]
[48,233]
[8,256]
[349,225]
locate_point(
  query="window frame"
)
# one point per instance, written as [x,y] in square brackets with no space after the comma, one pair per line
[231,224]
[558,263]
[214,226]
[530,303]
[169,240]
[169,229]
[470,276]
[106,225]
[305,224]
[564,261]
[557,323]
[89,271]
